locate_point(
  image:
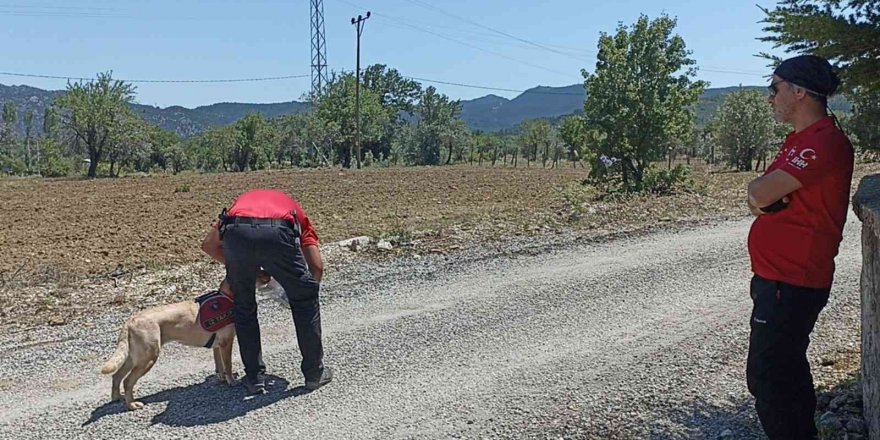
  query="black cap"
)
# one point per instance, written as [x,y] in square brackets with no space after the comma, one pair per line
[810,72]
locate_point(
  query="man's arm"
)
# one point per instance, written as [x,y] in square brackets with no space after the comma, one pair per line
[768,189]
[212,245]
[313,258]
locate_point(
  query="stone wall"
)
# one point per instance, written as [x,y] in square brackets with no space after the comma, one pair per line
[866,204]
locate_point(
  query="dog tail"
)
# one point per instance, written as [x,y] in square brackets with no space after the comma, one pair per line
[118,358]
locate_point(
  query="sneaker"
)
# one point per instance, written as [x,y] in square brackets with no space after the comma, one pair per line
[254,385]
[326,377]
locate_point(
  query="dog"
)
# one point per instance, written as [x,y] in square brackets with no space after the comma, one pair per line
[143,335]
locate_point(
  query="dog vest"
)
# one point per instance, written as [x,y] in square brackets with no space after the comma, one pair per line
[215,312]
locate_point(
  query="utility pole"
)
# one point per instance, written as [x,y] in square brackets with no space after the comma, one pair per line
[359,24]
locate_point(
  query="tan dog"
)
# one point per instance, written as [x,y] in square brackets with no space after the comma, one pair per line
[142,336]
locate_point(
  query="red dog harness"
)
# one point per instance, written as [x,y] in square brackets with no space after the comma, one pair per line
[215,312]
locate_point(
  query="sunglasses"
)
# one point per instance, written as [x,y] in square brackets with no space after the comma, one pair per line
[773,87]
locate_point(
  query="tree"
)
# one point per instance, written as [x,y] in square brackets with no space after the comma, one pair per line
[94,111]
[865,124]
[10,115]
[744,128]
[638,101]
[50,122]
[337,106]
[396,93]
[128,145]
[163,144]
[438,126]
[846,32]
[580,142]
[255,136]
[535,136]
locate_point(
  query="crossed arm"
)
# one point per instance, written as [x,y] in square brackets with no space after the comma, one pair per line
[770,188]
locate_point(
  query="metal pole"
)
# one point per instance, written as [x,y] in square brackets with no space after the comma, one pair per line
[359,25]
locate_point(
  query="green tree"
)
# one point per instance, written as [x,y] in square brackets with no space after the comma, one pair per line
[255,136]
[128,146]
[865,124]
[10,115]
[337,106]
[535,137]
[744,128]
[50,122]
[94,111]
[396,93]
[846,32]
[641,94]
[439,125]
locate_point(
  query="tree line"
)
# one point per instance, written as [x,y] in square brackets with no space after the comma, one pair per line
[640,111]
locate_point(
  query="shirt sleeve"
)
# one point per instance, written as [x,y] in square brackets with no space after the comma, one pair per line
[308,237]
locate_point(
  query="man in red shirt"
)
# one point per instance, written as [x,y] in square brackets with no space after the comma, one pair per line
[801,207]
[268,229]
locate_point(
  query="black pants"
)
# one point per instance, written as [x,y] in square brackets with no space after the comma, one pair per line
[777,372]
[248,247]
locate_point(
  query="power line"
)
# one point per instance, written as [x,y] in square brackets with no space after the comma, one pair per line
[270,78]
[523,40]
[401,22]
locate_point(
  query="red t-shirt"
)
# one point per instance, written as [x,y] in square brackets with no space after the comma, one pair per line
[798,244]
[267,203]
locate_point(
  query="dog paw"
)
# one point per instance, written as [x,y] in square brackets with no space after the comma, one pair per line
[135,406]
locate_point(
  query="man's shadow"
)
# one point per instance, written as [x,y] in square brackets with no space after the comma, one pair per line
[205,403]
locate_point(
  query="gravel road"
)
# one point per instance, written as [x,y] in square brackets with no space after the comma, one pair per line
[640,337]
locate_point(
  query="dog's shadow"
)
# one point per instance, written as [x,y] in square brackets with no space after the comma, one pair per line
[204,403]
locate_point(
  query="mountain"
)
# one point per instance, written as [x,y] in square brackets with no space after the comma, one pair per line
[183,121]
[487,113]
[494,113]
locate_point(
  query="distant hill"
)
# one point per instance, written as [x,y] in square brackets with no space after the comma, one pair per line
[488,113]
[183,121]
[494,113]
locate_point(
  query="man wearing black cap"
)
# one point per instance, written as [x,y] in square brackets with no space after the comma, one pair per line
[801,205]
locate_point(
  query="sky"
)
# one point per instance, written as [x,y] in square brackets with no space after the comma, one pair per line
[512,44]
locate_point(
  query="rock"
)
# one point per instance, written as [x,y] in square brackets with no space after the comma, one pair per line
[856,426]
[56,320]
[822,402]
[356,243]
[837,402]
[384,245]
[725,435]
[851,408]
[830,422]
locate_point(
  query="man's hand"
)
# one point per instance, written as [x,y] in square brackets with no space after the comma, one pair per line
[755,210]
[313,258]
[212,245]
[759,211]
